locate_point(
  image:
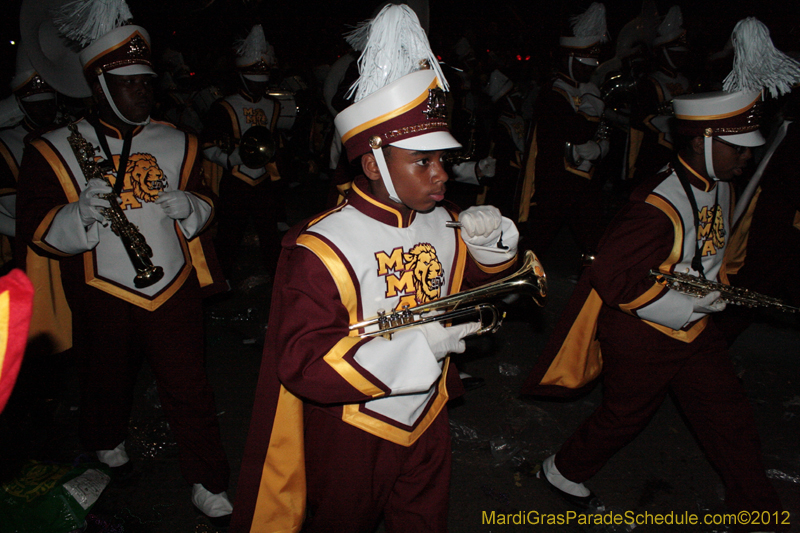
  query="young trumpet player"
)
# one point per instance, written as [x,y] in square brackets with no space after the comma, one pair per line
[348,431]
[648,340]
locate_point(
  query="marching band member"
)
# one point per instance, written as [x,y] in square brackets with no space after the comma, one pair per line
[349,430]
[650,340]
[246,193]
[560,187]
[33,101]
[124,307]
[651,141]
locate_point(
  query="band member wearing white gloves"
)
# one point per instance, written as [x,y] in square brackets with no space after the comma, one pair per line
[353,428]
[651,340]
[127,304]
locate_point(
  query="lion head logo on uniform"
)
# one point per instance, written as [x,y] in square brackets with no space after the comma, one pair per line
[718,229]
[428,272]
[147,179]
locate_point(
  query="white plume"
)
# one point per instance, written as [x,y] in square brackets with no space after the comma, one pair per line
[592,22]
[393,44]
[85,21]
[254,45]
[757,64]
[672,23]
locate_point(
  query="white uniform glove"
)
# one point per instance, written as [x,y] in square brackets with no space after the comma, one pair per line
[234,159]
[589,151]
[175,204]
[465,173]
[481,225]
[90,205]
[710,303]
[488,166]
[443,341]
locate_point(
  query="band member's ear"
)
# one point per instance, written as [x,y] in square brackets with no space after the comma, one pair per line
[370,167]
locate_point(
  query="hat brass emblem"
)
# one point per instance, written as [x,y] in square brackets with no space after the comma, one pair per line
[137,48]
[437,104]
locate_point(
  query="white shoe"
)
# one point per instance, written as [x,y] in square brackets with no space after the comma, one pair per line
[211,505]
[113,458]
[560,482]
[574,493]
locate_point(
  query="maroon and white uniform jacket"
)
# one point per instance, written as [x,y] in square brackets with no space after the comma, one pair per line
[368,259]
[231,117]
[335,271]
[655,231]
[162,158]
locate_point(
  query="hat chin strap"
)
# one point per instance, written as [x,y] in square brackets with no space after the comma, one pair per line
[110,100]
[387,179]
[669,59]
[708,143]
[569,67]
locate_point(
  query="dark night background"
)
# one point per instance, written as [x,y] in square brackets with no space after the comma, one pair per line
[306,34]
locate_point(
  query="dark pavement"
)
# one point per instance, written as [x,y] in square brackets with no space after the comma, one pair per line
[498,437]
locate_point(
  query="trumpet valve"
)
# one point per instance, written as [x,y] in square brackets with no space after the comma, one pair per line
[383,320]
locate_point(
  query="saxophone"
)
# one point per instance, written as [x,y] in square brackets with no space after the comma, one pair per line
[138,250]
[695,286]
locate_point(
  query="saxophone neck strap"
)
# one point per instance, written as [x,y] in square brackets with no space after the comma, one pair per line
[123,157]
[697,262]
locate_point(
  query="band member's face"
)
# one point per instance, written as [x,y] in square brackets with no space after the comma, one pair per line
[729,160]
[41,112]
[134,95]
[418,177]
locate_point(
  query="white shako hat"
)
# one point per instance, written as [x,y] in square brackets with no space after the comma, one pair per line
[588,32]
[498,85]
[399,96]
[733,113]
[671,33]
[27,84]
[111,45]
[255,56]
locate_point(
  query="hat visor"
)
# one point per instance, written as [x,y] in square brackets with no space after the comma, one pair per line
[256,77]
[39,97]
[427,142]
[751,138]
[133,70]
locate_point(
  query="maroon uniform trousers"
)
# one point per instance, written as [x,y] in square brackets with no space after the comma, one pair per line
[359,478]
[640,366]
[112,338]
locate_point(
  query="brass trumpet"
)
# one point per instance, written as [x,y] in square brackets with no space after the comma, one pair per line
[529,279]
[257,146]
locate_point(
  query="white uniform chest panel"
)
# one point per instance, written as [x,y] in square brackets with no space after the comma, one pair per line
[155,164]
[394,266]
[713,216]
[14,139]
[250,113]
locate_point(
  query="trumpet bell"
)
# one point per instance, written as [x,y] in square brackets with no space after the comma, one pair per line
[257,147]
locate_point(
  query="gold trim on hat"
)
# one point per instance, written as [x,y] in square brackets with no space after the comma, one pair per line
[136,33]
[391,114]
[721,115]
